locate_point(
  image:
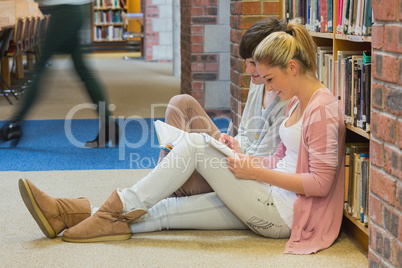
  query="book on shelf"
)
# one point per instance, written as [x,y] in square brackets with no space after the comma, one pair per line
[339,17]
[351,95]
[323,16]
[317,15]
[114,4]
[169,136]
[330,13]
[353,180]
[358,67]
[359,17]
[321,51]
[366,91]
[348,89]
[345,17]
[365,169]
[367,19]
[340,77]
[302,12]
[353,87]
[361,186]
[354,17]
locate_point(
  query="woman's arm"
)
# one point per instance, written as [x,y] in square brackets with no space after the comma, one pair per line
[251,168]
[318,160]
[323,147]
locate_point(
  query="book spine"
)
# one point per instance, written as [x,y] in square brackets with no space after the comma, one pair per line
[368,95]
[330,16]
[348,94]
[346,11]
[323,16]
[367,19]
[339,17]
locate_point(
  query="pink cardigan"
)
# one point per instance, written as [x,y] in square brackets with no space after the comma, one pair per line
[317,214]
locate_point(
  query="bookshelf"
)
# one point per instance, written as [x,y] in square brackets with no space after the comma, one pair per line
[335,42]
[107,21]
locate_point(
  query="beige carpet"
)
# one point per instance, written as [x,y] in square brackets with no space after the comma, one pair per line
[132,86]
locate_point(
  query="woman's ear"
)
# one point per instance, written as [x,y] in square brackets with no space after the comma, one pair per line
[293,67]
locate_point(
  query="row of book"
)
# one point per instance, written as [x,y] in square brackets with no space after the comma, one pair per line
[357,163]
[110,3]
[108,33]
[108,17]
[348,78]
[353,17]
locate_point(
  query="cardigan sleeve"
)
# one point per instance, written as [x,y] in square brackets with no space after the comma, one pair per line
[320,142]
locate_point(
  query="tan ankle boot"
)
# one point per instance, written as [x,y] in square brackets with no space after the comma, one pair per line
[107,224]
[53,215]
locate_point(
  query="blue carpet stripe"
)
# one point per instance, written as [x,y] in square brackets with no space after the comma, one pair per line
[46,146]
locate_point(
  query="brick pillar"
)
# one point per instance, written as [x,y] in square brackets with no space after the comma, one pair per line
[243,15]
[385,246]
[197,66]
[158,27]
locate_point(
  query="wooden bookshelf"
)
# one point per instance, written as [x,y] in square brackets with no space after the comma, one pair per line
[107,21]
[358,131]
[322,35]
[340,42]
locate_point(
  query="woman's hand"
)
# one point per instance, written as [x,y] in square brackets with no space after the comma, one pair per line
[245,166]
[230,142]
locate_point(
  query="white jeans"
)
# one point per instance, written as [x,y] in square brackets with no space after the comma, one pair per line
[234,204]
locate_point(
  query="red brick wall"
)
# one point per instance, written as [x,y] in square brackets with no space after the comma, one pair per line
[243,14]
[151,38]
[385,246]
[197,67]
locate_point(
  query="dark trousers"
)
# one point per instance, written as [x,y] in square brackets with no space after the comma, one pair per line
[63,36]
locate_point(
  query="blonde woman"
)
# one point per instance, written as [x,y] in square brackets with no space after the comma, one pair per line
[297,193]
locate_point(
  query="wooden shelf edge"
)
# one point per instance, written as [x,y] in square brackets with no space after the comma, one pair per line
[353,38]
[108,41]
[356,230]
[322,35]
[108,24]
[357,130]
[359,224]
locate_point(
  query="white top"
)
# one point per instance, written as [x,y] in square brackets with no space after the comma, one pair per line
[290,136]
[62,2]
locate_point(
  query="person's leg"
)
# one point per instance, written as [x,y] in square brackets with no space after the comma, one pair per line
[251,201]
[94,88]
[53,215]
[109,129]
[54,39]
[184,112]
[49,46]
[111,220]
[192,212]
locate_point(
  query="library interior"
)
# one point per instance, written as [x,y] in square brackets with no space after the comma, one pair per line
[147,51]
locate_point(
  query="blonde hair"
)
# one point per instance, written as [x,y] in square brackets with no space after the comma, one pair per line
[277,49]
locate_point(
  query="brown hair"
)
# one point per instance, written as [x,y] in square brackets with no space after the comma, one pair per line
[257,33]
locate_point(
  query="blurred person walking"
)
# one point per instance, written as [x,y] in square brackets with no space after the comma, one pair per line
[63,36]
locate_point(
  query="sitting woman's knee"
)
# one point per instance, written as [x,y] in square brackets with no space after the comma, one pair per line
[182,99]
[197,140]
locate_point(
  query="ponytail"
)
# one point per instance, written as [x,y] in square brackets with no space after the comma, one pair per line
[277,49]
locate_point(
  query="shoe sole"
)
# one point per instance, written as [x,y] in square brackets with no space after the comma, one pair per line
[34,209]
[99,239]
